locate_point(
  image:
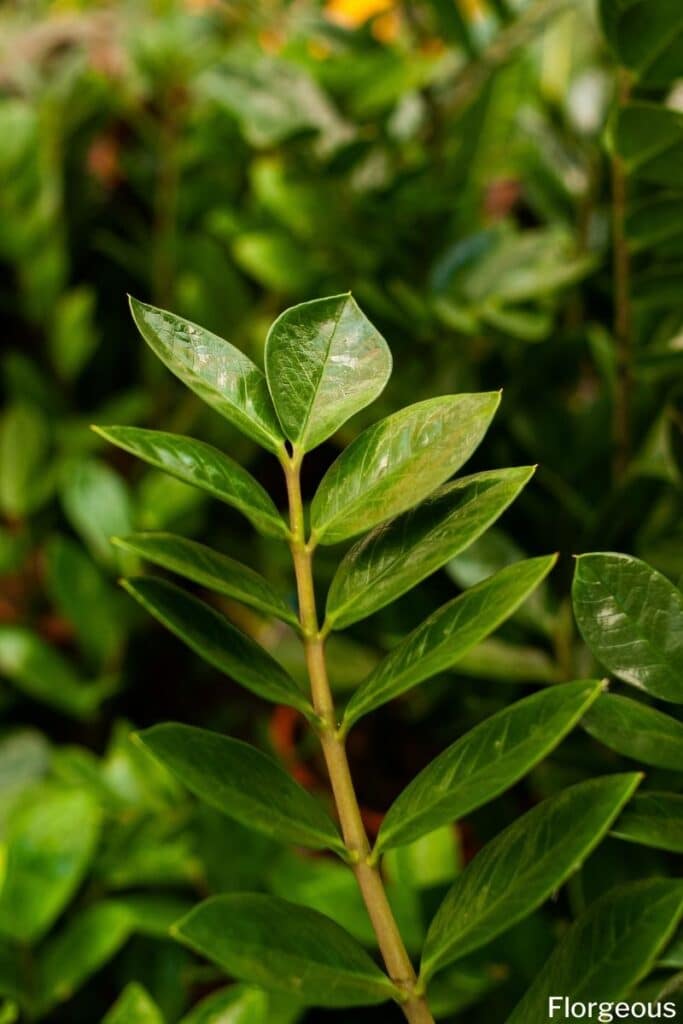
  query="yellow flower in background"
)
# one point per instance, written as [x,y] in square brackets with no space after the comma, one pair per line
[352,13]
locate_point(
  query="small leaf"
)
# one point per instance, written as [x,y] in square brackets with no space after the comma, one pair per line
[519,869]
[611,946]
[214,369]
[447,634]
[279,945]
[636,731]
[209,568]
[397,462]
[485,761]
[97,504]
[51,836]
[324,362]
[653,819]
[202,466]
[213,638]
[631,617]
[244,784]
[397,555]
[134,1006]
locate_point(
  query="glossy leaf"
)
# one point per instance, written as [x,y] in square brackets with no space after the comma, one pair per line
[649,137]
[40,672]
[631,617]
[279,945]
[202,466]
[212,637]
[214,369]
[647,36]
[485,761]
[636,731]
[134,1006]
[203,565]
[447,634]
[397,462]
[611,946]
[397,555]
[51,836]
[521,867]
[324,362]
[653,819]
[243,783]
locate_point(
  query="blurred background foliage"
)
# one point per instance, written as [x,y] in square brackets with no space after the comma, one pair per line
[499,184]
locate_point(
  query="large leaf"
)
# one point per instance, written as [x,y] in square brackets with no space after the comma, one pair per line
[197,463]
[521,867]
[485,761]
[631,617]
[279,945]
[397,462]
[447,634]
[612,945]
[636,731]
[653,819]
[212,637]
[324,362]
[647,36]
[39,671]
[397,555]
[209,568]
[649,137]
[51,836]
[243,783]
[214,369]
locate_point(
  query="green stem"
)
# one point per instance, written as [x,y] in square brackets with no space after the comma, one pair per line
[623,330]
[396,959]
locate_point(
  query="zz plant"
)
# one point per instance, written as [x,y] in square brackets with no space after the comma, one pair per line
[392,488]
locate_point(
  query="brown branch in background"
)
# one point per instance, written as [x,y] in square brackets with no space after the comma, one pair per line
[621,425]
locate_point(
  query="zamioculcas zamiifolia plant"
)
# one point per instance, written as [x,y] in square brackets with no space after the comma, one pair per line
[391,492]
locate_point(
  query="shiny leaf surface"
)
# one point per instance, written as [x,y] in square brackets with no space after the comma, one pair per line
[202,466]
[485,761]
[324,362]
[636,731]
[631,617]
[397,462]
[214,369]
[446,635]
[243,783]
[397,555]
[279,945]
[212,637]
[203,565]
[521,867]
[611,946]
[653,819]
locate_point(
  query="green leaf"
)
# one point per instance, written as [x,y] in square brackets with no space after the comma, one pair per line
[202,466]
[647,36]
[134,1006]
[39,671]
[238,1004]
[397,462]
[631,617]
[211,569]
[25,476]
[485,761]
[612,945]
[214,369]
[397,555]
[212,637]
[636,731]
[97,504]
[653,819]
[324,362]
[447,635]
[244,784]
[51,836]
[520,869]
[268,941]
[649,137]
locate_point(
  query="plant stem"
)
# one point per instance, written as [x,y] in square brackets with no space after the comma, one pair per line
[396,959]
[622,305]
